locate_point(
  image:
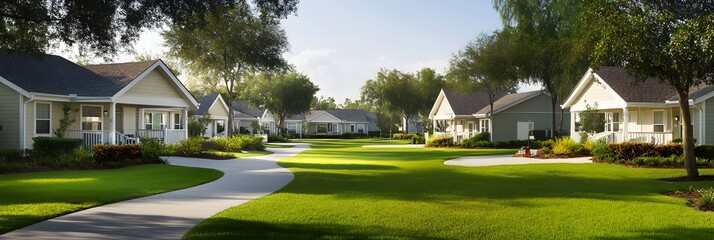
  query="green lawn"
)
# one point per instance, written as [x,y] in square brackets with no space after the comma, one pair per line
[278,145]
[343,191]
[27,198]
[241,154]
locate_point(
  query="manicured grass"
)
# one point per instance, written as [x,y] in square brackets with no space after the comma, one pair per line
[343,191]
[278,145]
[32,197]
[241,154]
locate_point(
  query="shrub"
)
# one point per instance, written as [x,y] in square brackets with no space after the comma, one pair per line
[168,149]
[602,151]
[667,150]
[77,159]
[705,201]
[116,153]
[46,146]
[483,136]
[418,139]
[374,134]
[349,135]
[588,144]
[277,138]
[211,144]
[403,136]
[704,151]
[151,149]
[11,154]
[583,137]
[469,143]
[502,144]
[190,147]
[672,161]
[679,140]
[441,142]
[566,145]
[249,143]
[631,150]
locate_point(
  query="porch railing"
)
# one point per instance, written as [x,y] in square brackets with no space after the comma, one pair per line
[650,137]
[164,135]
[89,137]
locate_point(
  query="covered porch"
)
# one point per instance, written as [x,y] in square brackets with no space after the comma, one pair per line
[656,125]
[460,128]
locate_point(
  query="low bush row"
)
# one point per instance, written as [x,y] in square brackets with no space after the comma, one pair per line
[440,142]
[650,155]
[197,146]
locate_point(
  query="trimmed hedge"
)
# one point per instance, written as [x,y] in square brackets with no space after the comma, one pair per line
[441,142]
[647,154]
[404,136]
[469,143]
[45,146]
[116,153]
[277,138]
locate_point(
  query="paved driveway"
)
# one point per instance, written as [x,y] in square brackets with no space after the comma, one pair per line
[170,215]
[495,160]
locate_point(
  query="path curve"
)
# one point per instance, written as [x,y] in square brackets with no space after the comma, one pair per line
[170,215]
[495,160]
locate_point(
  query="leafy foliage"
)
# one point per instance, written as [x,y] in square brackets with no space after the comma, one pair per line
[64,122]
[591,121]
[48,146]
[323,103]
[440,142]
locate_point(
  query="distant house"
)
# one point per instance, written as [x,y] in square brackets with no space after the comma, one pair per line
[412,124]
[462,115]
[111,103]
[326,122]
[646,112]
[215,109]
[247,117]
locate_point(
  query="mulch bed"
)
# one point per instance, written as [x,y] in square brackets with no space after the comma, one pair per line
[692,197]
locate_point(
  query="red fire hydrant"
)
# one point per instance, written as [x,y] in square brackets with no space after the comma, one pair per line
[527,152]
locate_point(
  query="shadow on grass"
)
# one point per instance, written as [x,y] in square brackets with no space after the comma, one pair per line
[327,166]
[669,233]
[226,228]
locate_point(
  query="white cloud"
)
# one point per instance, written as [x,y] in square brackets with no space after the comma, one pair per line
[308,57]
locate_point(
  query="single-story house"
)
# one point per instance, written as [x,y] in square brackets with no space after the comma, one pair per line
[214,108]
[412,124]
[464,114]
[246,118]
[326,122]
[646,112]
[110,103]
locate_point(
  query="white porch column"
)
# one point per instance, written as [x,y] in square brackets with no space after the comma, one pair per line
[112,123]
[573,115]
[184,122]
[625,119]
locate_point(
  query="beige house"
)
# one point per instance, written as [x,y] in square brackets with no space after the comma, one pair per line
[110,103]
[215,109]
[646,112]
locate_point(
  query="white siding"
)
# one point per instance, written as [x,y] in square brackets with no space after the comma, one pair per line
[155,89]
[324,117]
[218,111]
[444,108]
[596,92]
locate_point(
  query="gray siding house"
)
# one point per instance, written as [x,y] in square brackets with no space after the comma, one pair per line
[462,115]
[111,103]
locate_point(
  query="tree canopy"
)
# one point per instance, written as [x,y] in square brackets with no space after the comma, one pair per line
[670,40]
[232,43]
[283,95]
[323,103]
[104,27]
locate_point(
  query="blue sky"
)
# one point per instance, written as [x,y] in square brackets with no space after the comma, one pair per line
[340,44]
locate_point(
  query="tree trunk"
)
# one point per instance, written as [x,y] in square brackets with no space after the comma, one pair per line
[406,123]
[560,126]
[490,122]
[553,104]
[690,162]
[229,125]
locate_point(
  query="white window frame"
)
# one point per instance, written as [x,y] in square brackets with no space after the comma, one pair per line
[177,120]
[292,128]
[153,118]
[81,116]
[50,120]
[664,121]
[353,128]
[484,125]
[363,128]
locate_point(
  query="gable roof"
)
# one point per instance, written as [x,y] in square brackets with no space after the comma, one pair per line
[244,110]
[205,103]
[52,74]
[121,74]
[349,115]
[508,101]
[650,90]
[468,102]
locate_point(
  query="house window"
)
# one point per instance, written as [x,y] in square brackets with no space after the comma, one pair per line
[220,126]
[178,121]
[332,128]
[360,128]
[352,128]
[91,118]
[321,128]
[616,122]
[154,120]
[470,127]
[42,118]
[484,125]
[292,128]
[658,121]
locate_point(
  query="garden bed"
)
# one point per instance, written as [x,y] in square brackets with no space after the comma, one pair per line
[699,199]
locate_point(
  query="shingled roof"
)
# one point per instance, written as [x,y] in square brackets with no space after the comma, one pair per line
[205,102]
[468,102]
[650,90]
[121,74]
[508,101]
[350,115]
[52,74]
[245,110]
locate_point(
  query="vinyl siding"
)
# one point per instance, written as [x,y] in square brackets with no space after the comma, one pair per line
[324,117]
[10,120]
[596,92]
[155,89]
[444,108]
[539,104]
[505,124]
[218,111]
[709,118]
[29,124]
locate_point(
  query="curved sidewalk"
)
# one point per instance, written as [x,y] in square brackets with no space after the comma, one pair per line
[170,215]
[495,160]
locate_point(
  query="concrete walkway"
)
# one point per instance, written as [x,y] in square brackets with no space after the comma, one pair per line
[170,215]
[495,160]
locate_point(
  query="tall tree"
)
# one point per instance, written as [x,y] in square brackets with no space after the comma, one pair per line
[485,65]
[429,84]
[549,47]
[233,42]
[395,90]
[104,26]
[323,103]
[283,95]
[670,40]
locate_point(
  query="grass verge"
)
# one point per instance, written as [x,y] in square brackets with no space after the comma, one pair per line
[32,197]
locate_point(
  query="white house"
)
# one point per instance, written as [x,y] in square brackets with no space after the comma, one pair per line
[215,109]
[326,122]
[646,112]
[110,103]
